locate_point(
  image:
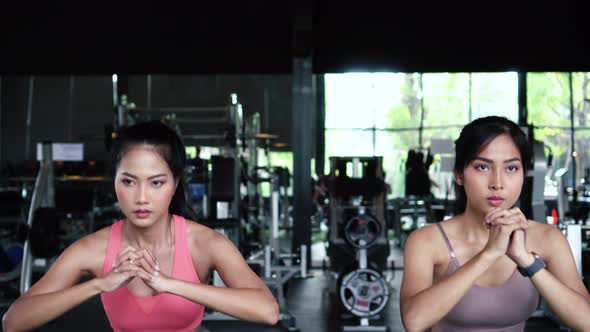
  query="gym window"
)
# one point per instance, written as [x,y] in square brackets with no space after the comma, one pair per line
[551,109]
[387,114]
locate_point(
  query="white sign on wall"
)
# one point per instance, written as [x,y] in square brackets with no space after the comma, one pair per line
[63,151]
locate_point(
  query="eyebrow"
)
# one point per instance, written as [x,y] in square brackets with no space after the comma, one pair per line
[491,161]
[149,178]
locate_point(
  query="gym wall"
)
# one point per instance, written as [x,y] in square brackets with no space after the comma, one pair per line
[60,116]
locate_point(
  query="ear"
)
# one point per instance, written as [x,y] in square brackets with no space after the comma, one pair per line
[459,179]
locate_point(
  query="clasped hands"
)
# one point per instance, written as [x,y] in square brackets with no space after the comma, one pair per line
[132,262]
[507,235]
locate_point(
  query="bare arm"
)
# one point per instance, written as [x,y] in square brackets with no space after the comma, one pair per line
[560,284]
[54,293]
[422,304]
[245,297]
[250,304]
[59,290]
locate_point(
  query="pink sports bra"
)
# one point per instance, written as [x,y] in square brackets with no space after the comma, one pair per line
[160,313]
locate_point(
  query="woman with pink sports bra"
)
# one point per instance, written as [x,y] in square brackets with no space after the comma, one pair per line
[151,268]
[486,268]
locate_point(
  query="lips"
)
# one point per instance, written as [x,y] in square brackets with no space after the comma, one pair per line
[495,200]
[142,213]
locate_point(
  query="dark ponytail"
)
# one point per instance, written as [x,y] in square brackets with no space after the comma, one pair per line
[169,145]
[178,205]
[474,137]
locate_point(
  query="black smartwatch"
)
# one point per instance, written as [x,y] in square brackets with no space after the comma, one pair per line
[537,265]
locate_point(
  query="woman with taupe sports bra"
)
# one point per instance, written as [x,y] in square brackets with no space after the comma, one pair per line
[484,269]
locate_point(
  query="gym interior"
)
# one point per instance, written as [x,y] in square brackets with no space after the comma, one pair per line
[318,136]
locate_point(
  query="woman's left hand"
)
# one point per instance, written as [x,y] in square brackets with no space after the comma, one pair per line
[158,282]
[517,249]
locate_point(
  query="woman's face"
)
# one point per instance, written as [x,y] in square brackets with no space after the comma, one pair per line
[144,185]
[495,177]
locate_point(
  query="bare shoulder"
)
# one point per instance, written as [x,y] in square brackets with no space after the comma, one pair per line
[85,256]
[91,250]
[543,236]
[97,239]
[205,245]
[200,235]
[204,242]
[421,256]
[425,233]
[427,240]
[542,231]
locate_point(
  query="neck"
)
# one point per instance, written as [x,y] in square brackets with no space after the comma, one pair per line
[157,236]
[474,227]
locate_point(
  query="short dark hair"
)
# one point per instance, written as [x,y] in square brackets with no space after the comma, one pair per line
[474,137]
[168,144]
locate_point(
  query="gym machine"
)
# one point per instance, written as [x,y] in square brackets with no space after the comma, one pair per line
[357,244]
[364,186]
[576,231]
[62,208]
[254,174]
[41,221]
[279,266]
[532,199]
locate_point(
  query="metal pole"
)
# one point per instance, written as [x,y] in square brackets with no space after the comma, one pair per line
[374,116]
[71,108]
[29,117]
[115,89]
[265,109]
[1,120]
[116,116]
[38,199]
[573,149]
[522,99]
[303,261]
[303,114]
[267,260]
[48,199]
[274,232]
[421,112]
[470,97]
[320,103]
[362,256]
[149,91]
[237,116]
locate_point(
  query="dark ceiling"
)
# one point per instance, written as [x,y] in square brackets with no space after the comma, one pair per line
[259,37]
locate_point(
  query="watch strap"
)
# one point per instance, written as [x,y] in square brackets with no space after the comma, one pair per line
[537,265]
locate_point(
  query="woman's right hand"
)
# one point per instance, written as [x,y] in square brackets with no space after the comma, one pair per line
[502,223]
